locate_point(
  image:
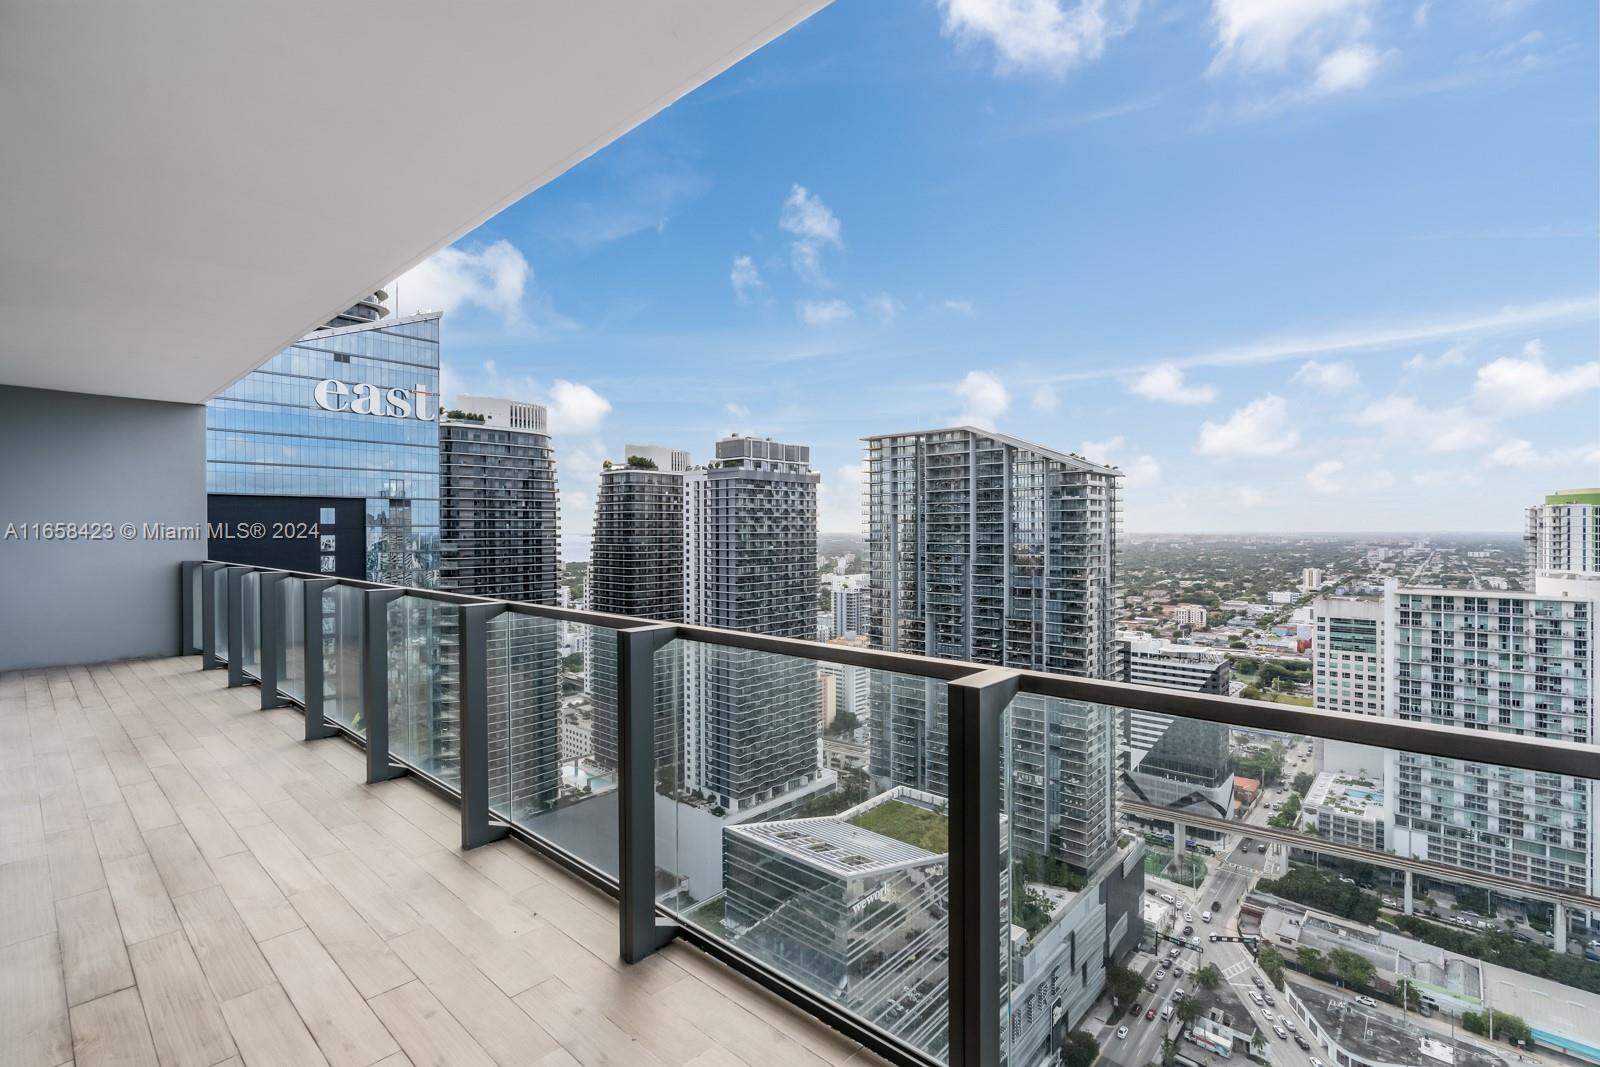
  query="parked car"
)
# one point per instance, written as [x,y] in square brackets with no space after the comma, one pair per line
[1150,1015]
[1122,1032]
[1261,847]
[1305,1046]
[1367,1001]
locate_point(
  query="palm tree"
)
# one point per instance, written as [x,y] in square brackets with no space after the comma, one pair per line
[1208,976]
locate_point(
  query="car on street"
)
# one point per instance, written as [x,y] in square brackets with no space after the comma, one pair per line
[1169,898]
[1188,917]
[1177,994]
[1216,937]
[1305,1046]
[1150,1015]
[1151,985]
[1174,953]
[1317,1063]
[1347,881]
[1260,982]
[1177,972]
[1282,1036]
[1216,905]
[1187,930]
[1255,996]
[1161,975]
[1288,1022]
[1367,1001]
[1166,1012]
[1122,1032]
[1268,998]
[1205,916]
[1261,847]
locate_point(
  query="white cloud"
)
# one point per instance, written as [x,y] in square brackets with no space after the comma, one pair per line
[1328,38]
[1520,384]
[1137,471]
[984,398]
[1401,418]
[1350,67]
[738,411]
[1260,428]
[1249,496]
[1047,36]
[1522,455]
[575,408]
[884,306]
[1045,399]
[958,307]
[1419,17]
[823,312]
[494,277]
[814,227]
[839,499]
[1453,356]
[1165,383]
[1444,476]
[1332,377]
[1330,479]
[744,277]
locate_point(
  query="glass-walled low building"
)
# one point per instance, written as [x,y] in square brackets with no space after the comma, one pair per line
[326,457]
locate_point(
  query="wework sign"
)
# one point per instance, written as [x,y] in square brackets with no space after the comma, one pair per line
[364,399]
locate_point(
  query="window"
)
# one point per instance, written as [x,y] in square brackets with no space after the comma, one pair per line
[326,517]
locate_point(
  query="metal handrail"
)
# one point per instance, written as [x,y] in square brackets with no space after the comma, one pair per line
[1419,738]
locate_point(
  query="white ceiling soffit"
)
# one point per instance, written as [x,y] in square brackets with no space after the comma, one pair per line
[188,186]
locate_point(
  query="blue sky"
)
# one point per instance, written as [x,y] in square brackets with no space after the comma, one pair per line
[1292,264]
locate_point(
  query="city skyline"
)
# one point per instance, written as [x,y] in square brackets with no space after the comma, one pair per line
[1279,303]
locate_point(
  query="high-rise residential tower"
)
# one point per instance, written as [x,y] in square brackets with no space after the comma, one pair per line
[636,568]
[849,611]
[751,719]
[1515,662]
[1563,534]
[1349,674]
[986,548]
[498,520]
[498,537]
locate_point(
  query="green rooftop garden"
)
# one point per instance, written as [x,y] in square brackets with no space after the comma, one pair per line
[906,822]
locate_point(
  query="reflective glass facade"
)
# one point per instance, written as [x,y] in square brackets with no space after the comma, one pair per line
[267,435]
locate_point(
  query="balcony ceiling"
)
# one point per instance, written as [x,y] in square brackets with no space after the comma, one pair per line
[188,187]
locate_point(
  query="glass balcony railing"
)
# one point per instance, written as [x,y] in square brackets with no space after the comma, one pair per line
[957,864]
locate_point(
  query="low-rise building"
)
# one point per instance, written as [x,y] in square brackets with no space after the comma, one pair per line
[1346,809]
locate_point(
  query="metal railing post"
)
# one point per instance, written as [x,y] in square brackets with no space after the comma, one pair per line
[188,574]
[208,616]
[269,595]
[976,707]
[375,682]
[472,622]
[641,934]
[317,724]
[236,626]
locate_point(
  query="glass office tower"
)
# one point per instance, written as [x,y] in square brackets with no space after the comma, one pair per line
[338,432]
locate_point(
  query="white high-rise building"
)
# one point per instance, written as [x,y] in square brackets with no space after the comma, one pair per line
[1521,663]
[1310,579]
[1349,669]
[1563,534]
[1182,764]
[849,611]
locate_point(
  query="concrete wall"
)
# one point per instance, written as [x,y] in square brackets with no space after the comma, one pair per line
[76,458]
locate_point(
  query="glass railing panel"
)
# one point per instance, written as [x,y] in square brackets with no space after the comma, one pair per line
[1073,890]
[219,627]
[195,593]
[1383,925]
[801,818]
[342,630]
[425,687]
[292,639]
[552,737]
[250,624]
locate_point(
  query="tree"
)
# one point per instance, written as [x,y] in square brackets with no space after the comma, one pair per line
[1302,782]
[1271,963]
[640,463]
[1310,959]
[1351,966]
[1501,1025]
[1208,976]
[1406,995]
[1190,1009]
[1169,1052]
[1125,984]
[1080,1050]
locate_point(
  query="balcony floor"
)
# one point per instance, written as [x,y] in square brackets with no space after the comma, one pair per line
[184,881]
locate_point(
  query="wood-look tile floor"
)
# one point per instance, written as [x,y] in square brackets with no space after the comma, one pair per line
[185,882]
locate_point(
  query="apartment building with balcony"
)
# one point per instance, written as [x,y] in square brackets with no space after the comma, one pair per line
[1180,764]
[1563,534]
